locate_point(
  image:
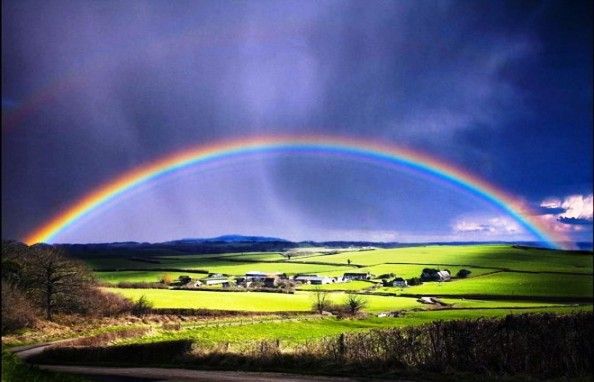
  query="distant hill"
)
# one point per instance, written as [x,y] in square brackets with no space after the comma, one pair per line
[230,239]
[240,243]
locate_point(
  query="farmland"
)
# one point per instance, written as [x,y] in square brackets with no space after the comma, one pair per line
[237,318]
[502,278]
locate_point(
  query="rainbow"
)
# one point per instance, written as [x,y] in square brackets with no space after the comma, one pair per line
[294,144]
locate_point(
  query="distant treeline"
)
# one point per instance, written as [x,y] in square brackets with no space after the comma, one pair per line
[535,345]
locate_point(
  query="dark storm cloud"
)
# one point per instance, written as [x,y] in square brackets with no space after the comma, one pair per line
[501,89]
[544,210]
[575,221]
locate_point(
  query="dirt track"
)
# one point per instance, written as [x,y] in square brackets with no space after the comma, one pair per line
[170,375]
[146,374]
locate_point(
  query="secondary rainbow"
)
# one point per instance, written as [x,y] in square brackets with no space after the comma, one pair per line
[294,144]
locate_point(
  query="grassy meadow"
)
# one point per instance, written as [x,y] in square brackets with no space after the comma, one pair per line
[503,280]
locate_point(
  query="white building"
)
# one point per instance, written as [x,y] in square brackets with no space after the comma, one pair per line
[314,279]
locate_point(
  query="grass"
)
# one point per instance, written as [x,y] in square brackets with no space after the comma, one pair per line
[488,264]
[292,332]
[141,276]
[510,284]
[254,301]
[490,256]
[15,370]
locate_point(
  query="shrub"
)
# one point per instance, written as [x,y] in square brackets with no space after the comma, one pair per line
[155,353]
[141,285]
[414,281]
[355,302]
[166,279]
[142,306]
[17,311]
[463,273]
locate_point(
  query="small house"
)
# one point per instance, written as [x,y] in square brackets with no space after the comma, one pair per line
[356,276]
[216,280]
[429,274]
[255,276]
[271,282]
[443,276]
[399,282]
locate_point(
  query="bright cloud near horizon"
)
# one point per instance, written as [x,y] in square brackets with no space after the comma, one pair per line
[501,90]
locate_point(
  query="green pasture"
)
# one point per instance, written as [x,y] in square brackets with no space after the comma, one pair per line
[141,276]
[238,269]
[254,301]
[509,284]
[490,256]
[300,330]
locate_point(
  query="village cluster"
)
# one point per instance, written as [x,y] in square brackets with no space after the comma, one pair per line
[257,279]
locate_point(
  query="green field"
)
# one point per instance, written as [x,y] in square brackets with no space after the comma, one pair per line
[500,275]
[254,301]
[489,256]
[413,270]
[298,330]
[510,284]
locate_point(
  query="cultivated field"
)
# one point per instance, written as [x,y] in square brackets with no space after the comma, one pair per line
[505,276]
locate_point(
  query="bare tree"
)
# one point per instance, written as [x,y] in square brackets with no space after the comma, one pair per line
[54,280]
[320,300]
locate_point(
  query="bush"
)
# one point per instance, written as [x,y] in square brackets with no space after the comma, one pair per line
[355,302]
[386,276]
[15,370]
[142,306]
[166,279]
[463,273]
[155,353]
[100,303]
[414,281]
[17,311]
[141,285]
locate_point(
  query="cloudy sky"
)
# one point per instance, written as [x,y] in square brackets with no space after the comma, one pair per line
[91,89]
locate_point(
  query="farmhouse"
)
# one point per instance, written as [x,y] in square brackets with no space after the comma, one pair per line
[262,276]
[430,274]
[314,279]
[271,282]
[216,280]
[399,282]
[255,276]
[444,276]
[357,276]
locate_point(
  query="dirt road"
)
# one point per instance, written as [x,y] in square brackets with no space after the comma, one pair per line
[170,375]
[149,374]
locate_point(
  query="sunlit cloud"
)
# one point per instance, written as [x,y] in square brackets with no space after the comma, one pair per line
[493,226]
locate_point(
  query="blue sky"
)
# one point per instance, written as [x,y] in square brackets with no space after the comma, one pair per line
[500,89]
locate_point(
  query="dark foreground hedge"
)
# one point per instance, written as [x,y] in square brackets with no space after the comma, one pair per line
[156,353]
[538,345]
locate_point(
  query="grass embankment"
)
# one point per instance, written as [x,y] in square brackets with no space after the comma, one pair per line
[294,331]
